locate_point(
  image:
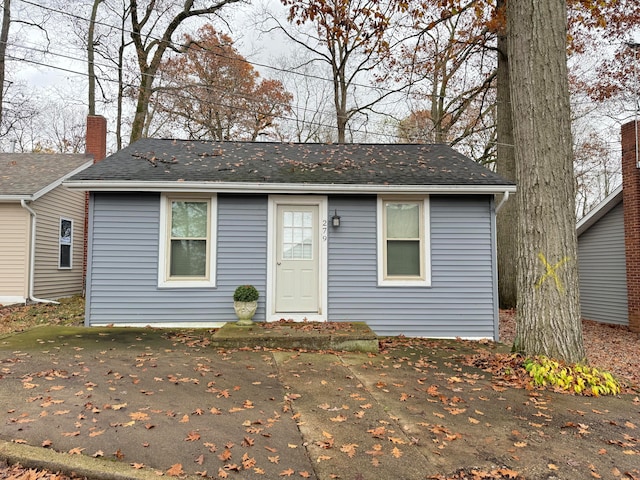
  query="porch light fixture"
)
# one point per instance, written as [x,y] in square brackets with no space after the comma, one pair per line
[335,220]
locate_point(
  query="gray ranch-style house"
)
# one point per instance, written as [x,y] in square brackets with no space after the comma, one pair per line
[402,237]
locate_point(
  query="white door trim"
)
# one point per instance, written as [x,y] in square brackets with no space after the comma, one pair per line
[272,225]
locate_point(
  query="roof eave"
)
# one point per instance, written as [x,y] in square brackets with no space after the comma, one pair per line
[309,188]
[15,198]
[604,207]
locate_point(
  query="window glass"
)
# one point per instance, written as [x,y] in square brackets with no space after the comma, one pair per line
[297,235]
[188,246]
[65,243]
[189,219]
[403,220]
[403,258]
[403,241]
[188,258]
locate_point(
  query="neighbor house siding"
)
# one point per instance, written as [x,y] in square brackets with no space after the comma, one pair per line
[460,300]
[601,266]
[14,253]
[49,280]
[124,262]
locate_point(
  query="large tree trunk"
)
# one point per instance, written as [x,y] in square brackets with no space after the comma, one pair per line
[548,316]
[507,218]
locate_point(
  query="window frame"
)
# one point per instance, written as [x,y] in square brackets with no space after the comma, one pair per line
[424,279]
[60,244]
[164,251]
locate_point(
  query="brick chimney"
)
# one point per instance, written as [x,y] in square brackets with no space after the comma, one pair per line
[96,141]
[96,145]
[631,206]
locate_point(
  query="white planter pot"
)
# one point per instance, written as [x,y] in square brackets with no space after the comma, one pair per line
[245,312]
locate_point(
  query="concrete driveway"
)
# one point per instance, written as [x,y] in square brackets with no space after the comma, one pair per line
[138,403]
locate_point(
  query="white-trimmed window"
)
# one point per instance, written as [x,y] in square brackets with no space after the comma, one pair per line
[187,240]
[403,241]
[65,244]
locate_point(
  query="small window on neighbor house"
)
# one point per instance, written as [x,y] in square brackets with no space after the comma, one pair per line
[403,243]
[187,242]
[65,243]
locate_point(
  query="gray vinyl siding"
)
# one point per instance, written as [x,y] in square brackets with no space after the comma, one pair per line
[461,298]
[602,270]
[124,262]
[459,302]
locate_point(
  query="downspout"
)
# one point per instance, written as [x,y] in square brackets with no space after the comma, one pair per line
[504,199]
[32,255]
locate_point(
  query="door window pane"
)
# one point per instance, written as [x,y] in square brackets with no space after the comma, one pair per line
[297,235]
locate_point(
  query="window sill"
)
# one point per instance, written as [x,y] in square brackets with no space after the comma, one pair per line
[404,283]
[187,284]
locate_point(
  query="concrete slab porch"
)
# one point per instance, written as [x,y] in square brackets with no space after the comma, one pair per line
[339,336]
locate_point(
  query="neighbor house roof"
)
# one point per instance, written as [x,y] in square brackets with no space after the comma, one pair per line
[28,176]
[599,211]
[152,164]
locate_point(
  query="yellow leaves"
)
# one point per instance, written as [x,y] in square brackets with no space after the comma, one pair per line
[287,473]
[274,459]
[520,444]
[552,466]
[339,418]
[396,452]
[473,421]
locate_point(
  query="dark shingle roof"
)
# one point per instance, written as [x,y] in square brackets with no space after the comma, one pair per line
[26,174]
[154,160]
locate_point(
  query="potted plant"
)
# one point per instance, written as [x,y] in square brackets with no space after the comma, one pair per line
[245,303]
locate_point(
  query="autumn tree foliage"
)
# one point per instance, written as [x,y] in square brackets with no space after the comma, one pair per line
[153,26]
[352,38]
[448,59]
[211,91]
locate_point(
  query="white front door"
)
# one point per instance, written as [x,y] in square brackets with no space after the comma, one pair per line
[298,249]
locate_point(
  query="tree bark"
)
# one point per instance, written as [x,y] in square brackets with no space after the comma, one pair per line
[150,50]
[90,58]
[506,166]
[548,316]
[4,36]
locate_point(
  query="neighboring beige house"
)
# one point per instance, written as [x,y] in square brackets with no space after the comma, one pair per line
[41,227]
